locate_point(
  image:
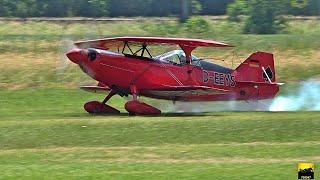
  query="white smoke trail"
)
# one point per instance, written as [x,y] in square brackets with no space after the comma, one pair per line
[214,106]
[210,106]
[305,98]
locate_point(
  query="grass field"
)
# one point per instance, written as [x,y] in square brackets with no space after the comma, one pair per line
[45,134]
[33,52]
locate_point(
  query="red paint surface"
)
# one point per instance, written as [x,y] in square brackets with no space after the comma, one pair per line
[146,77]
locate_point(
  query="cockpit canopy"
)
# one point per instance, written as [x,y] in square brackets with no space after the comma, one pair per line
[176,57]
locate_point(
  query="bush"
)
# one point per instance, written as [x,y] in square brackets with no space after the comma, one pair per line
[263,17]
[234,10]
[161,28]
[197,25]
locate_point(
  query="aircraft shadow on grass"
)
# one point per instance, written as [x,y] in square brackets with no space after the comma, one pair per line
[169,114]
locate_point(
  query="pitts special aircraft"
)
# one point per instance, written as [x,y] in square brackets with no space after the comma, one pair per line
[176,75]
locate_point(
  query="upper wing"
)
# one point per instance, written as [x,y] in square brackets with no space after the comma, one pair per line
[108,43]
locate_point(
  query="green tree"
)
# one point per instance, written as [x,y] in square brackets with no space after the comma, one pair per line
[130,7]
[214,7]
[187,8]
[240,7]
[6,7]
[54,8]
[305,7]
[164,8]
[263,17]
[97,8]
[91,8]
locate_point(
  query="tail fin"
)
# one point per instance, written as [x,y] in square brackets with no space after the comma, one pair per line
[259,67]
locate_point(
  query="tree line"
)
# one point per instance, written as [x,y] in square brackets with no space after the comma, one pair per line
[115,8]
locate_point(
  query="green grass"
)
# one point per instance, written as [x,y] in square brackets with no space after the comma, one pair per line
[41,37]
[32,52]
[44,133]
[100,170]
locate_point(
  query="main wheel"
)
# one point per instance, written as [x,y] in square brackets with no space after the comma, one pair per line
[96,107]
[141,108]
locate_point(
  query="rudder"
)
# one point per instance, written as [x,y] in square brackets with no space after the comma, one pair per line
[252,68]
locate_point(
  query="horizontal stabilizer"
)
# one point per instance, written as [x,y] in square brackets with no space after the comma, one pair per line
[259,83]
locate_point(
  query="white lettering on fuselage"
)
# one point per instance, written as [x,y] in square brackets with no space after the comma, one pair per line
[220,79]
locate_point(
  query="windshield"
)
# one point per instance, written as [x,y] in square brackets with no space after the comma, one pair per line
[177,57]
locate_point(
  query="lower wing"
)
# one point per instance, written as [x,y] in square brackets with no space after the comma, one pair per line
[96,89]
[181,91]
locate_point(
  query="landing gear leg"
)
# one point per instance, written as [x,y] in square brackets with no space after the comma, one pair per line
[135,107]
[96,107]
[106,99]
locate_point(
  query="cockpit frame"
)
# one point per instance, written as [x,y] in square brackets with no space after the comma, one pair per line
[143,49]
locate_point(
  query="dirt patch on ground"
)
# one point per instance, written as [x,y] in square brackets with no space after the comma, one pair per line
[234,160]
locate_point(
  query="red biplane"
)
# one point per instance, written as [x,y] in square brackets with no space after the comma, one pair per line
[176,75]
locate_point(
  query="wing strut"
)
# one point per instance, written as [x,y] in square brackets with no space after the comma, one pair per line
[188,50]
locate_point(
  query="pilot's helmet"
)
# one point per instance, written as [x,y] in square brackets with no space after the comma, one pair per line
[183,59]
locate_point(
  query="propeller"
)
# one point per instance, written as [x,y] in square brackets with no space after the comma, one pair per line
[65,45]
[90,31]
